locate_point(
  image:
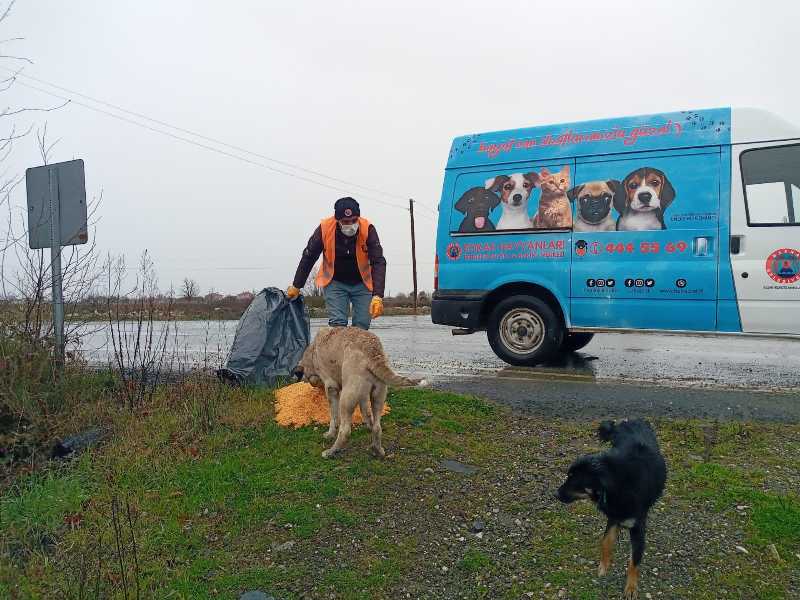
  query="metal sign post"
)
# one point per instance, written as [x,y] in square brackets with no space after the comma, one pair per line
[55,266]
[57,217]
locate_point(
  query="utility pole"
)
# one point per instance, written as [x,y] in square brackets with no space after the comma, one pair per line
[413,252]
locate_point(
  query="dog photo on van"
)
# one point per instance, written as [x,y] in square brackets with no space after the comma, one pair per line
[593,203]
[515,191]
[476,204]
[648,193]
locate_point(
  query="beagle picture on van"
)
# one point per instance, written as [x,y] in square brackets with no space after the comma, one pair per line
[515,191]
[647,195]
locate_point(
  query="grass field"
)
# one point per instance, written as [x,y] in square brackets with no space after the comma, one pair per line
[208,499]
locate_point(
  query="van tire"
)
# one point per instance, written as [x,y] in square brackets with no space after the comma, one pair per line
[524,331]
[575,341]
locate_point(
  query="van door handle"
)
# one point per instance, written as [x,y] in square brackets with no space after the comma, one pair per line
[736,244]
[703,246]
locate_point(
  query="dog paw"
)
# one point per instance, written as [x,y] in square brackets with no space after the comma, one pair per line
[330,453]
[378,452]
[631,592]
[602,570]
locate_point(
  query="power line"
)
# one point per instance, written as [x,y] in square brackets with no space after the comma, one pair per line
[17,74]
[205,146]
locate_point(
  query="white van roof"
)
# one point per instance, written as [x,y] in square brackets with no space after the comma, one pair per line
[750,125]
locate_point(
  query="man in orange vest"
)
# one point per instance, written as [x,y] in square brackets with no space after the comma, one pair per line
[353,270]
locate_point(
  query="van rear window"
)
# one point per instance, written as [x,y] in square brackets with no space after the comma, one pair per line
[771,178]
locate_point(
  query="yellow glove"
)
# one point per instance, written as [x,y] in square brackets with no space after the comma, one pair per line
[376,307]
[292,292]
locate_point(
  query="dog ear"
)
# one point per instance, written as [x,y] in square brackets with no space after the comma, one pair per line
[495,183]
[533,177]
[493,201]
[620,195]
[596,467]
[599,465]
[461,205]
[667,193]
[574,192]
[618,191]
[606,430]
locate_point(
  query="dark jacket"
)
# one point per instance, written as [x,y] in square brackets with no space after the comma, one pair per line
[345,267]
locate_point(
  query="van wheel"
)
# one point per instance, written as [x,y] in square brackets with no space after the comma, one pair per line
[575,341]
[524,331]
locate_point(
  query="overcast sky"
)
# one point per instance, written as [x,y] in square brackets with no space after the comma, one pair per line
[367,92]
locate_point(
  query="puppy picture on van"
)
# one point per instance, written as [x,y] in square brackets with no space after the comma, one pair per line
[533,199]
[648,193]
[636,202]
[612,196]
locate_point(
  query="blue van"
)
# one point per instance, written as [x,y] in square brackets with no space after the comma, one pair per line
[677,222]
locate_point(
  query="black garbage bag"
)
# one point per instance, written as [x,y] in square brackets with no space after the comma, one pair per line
[270,340]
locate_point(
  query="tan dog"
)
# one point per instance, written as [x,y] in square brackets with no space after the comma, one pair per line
[593,201]
[350,365]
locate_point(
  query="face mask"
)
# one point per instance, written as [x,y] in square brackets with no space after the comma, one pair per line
[349,230]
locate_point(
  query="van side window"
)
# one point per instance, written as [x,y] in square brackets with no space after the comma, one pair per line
[771,178]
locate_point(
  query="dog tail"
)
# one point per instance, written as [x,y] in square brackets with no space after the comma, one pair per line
[384,372]
[606,430]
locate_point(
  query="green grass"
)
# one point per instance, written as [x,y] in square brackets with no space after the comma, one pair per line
[774,518]
[252,505]
[475,560]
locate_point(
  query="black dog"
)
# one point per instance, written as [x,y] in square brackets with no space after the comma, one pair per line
[476,203]
[624,482]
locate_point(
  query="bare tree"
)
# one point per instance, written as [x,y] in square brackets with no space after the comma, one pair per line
[140,324]
[189,289]
[311,288]
[25,274]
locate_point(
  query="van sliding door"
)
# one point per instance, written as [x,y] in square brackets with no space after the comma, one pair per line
[646,241]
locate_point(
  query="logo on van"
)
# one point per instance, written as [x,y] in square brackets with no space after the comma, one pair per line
[454,251]
[783,266]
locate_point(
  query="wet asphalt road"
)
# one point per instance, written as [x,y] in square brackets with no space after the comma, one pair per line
[616,375]
[610,400]
[415,345]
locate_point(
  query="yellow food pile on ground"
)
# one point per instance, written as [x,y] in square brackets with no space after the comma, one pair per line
[301,404]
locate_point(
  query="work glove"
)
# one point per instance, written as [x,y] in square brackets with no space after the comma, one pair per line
[292,292]
[376,307]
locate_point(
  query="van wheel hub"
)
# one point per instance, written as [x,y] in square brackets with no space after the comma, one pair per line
[522,330]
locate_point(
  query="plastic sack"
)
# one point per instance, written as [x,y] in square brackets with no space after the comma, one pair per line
[270,340]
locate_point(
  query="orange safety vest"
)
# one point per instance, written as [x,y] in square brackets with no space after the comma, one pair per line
[328,227]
